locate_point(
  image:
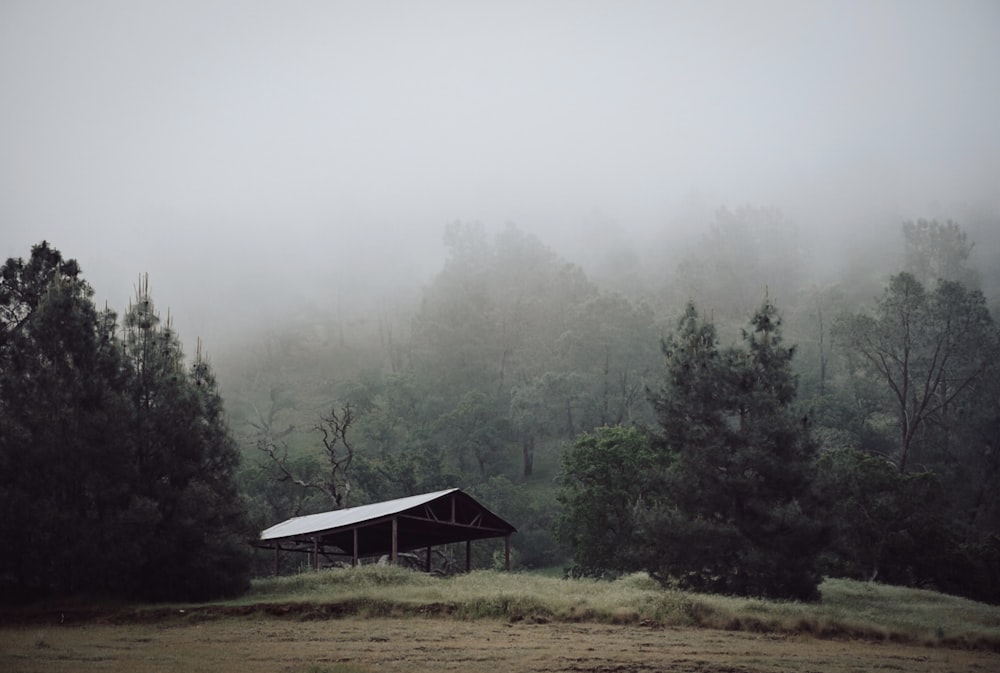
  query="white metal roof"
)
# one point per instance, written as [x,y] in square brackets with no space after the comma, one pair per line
[316,523]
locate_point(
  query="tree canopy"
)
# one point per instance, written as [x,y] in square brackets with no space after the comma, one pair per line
[735,513]
[118,468]
[927,348]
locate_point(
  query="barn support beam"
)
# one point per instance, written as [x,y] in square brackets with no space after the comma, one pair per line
[354,556]
[395,541]
[427,560]
[468,555]
[277,560]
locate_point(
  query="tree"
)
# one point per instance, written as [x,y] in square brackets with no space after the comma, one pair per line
[873,510]
[219,560]
[927,349]
[744,249]
[185,498]
[116,466]
[607,477]
[936,251]
[474,429]
[533,512]
[400,455]
[971,469]
[455,346]
[921,364]
[333,480]
[490,329]
[64,468]
[547,406]
[735,516]
[24,283]
[611,342]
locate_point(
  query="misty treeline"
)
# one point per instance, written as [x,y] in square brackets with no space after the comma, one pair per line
[722,419]
[117,466]
[870,452]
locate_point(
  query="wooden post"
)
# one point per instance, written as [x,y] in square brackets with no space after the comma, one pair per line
[354,558]
[468,555]
[315,553]
[395,540]
[427,561]
[277,559]
[506,552]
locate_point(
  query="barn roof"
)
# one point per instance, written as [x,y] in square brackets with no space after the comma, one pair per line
[419,521]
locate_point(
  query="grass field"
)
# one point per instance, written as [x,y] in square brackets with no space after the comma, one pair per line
[847,609]
[389,619]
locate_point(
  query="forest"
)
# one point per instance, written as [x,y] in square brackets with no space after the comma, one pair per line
[727,417]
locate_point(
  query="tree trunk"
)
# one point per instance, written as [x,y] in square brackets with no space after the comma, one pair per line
[528,451]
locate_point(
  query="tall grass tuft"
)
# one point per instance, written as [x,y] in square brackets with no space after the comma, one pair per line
[337,582]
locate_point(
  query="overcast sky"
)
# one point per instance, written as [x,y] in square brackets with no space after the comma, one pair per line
[235,148]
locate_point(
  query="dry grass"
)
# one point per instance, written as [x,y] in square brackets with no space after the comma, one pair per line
[353,645]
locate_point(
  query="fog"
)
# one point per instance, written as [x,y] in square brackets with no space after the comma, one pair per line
[256,157]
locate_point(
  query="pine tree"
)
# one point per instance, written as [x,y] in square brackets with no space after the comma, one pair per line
[732,515]
[185,462]
[63,460]
[117,470]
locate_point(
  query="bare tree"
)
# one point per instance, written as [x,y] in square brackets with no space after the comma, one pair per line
[333,427]
[334,480]
[925,348]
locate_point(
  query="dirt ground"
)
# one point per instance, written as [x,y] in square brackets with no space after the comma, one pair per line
[438,644]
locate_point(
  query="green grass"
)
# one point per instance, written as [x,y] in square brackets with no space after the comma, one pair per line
[847,609]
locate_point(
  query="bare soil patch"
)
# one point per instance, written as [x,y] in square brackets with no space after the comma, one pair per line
[259,643]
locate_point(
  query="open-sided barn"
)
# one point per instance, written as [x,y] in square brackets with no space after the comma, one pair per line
[419,522]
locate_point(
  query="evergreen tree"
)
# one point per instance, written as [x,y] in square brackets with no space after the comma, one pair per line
[116,466]
[64,472]
[185,463]
[211,526]
[733,516]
